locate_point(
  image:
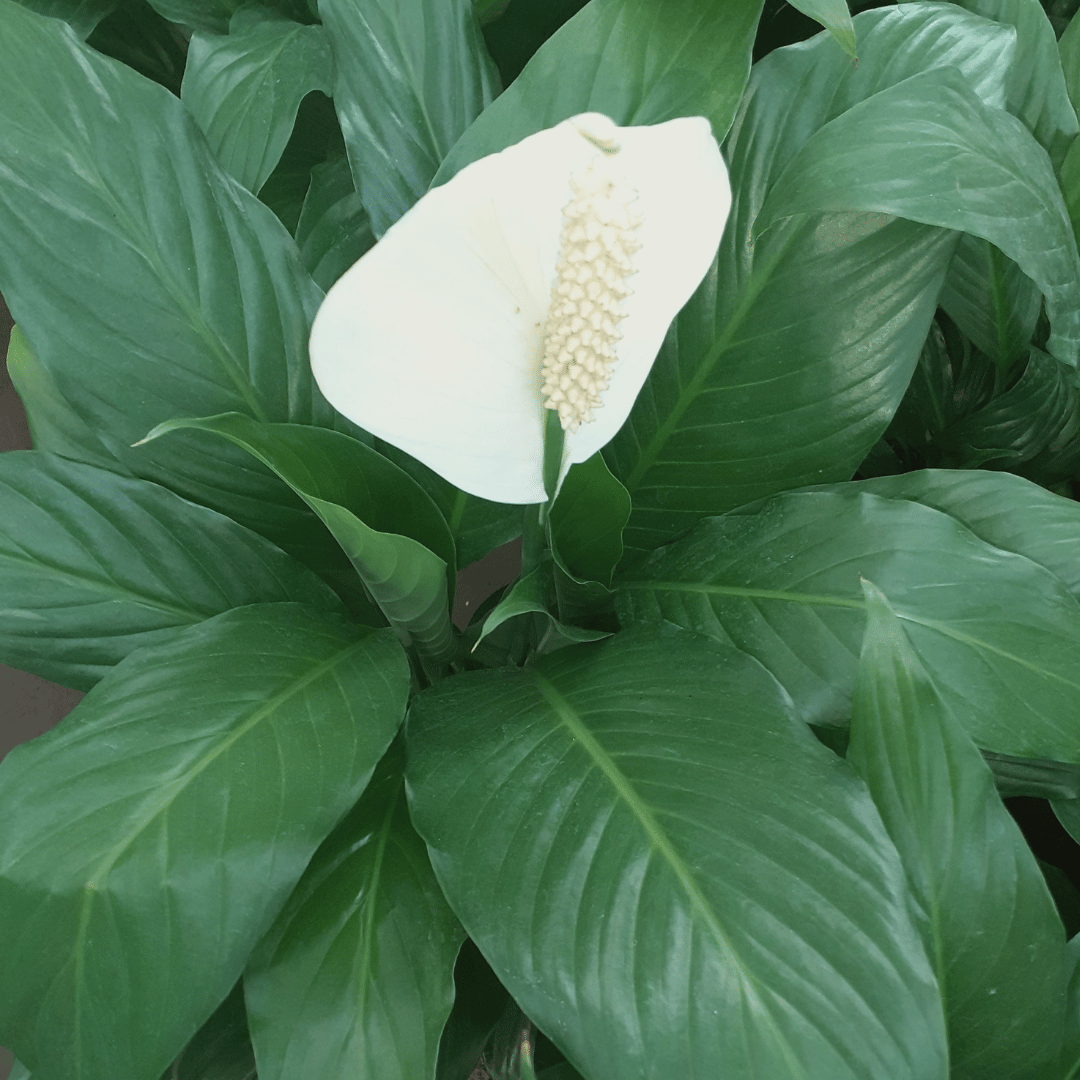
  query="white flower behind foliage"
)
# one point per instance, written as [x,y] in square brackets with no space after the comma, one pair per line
[544,275]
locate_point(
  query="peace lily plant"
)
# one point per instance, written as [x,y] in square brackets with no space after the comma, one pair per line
[759,344]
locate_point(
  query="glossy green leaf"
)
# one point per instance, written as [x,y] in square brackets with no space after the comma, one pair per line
[392,533]
[1004,510]
[835,17]
[94,565]
[244,90]
[1069,55]
[587,521]
[411,77]
[991,299]
[81,15]
[1036,89]
[654,857]
[999,634]
[1019,425]
[147,283]
[930,151]
[1068,813]
[354,981]
[334,229]
[766,381]
[54,424]
[1038,778]
[221,1048]
[534,593]
[1071,1052]
[154,835]
[686,59]
[991,926]
[213,16]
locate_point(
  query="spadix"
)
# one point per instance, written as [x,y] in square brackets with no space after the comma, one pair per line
[544,276]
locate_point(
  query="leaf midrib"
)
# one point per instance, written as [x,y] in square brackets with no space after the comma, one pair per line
[748,983]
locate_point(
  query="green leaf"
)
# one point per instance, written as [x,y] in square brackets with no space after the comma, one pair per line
[687,59]
[587,521]
[1071,1052]
[928,150]
[221,1048]
[1036,90]
[1019,425]
[1034,778]
[94,565]
[835,17]
[411,77]
[991,926]
[154,835]
[534,593]
[1069,55]
[148,284]
[1068,813]
[81,15]
[991,300]
[765,382]
[1004,510]
[213,16]
[780,580]
[479,1001]
[478,525]
[244,90]
[54,425]
[354,981]
[392,533]
[334,229]
[643,844]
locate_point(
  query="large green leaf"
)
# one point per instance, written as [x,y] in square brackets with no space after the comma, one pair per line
[670,875]
[148,284]
[244,90]
[392,533]
[1036,90]
[354,981]
[1004,510]
[334,229]
[81,15]
[94,565]
[637,61]
[928,150]
[213,16]
[765,381]
[152,837]
[1069,55]
[991,926]
[412,75]
[54,425]
[991,299]
[999,634]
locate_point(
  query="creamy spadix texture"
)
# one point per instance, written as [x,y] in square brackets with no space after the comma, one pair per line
[543,276]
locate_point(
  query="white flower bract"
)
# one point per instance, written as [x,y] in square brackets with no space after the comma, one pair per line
[544,275]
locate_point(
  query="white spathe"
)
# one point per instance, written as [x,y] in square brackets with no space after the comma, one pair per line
[434,340]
